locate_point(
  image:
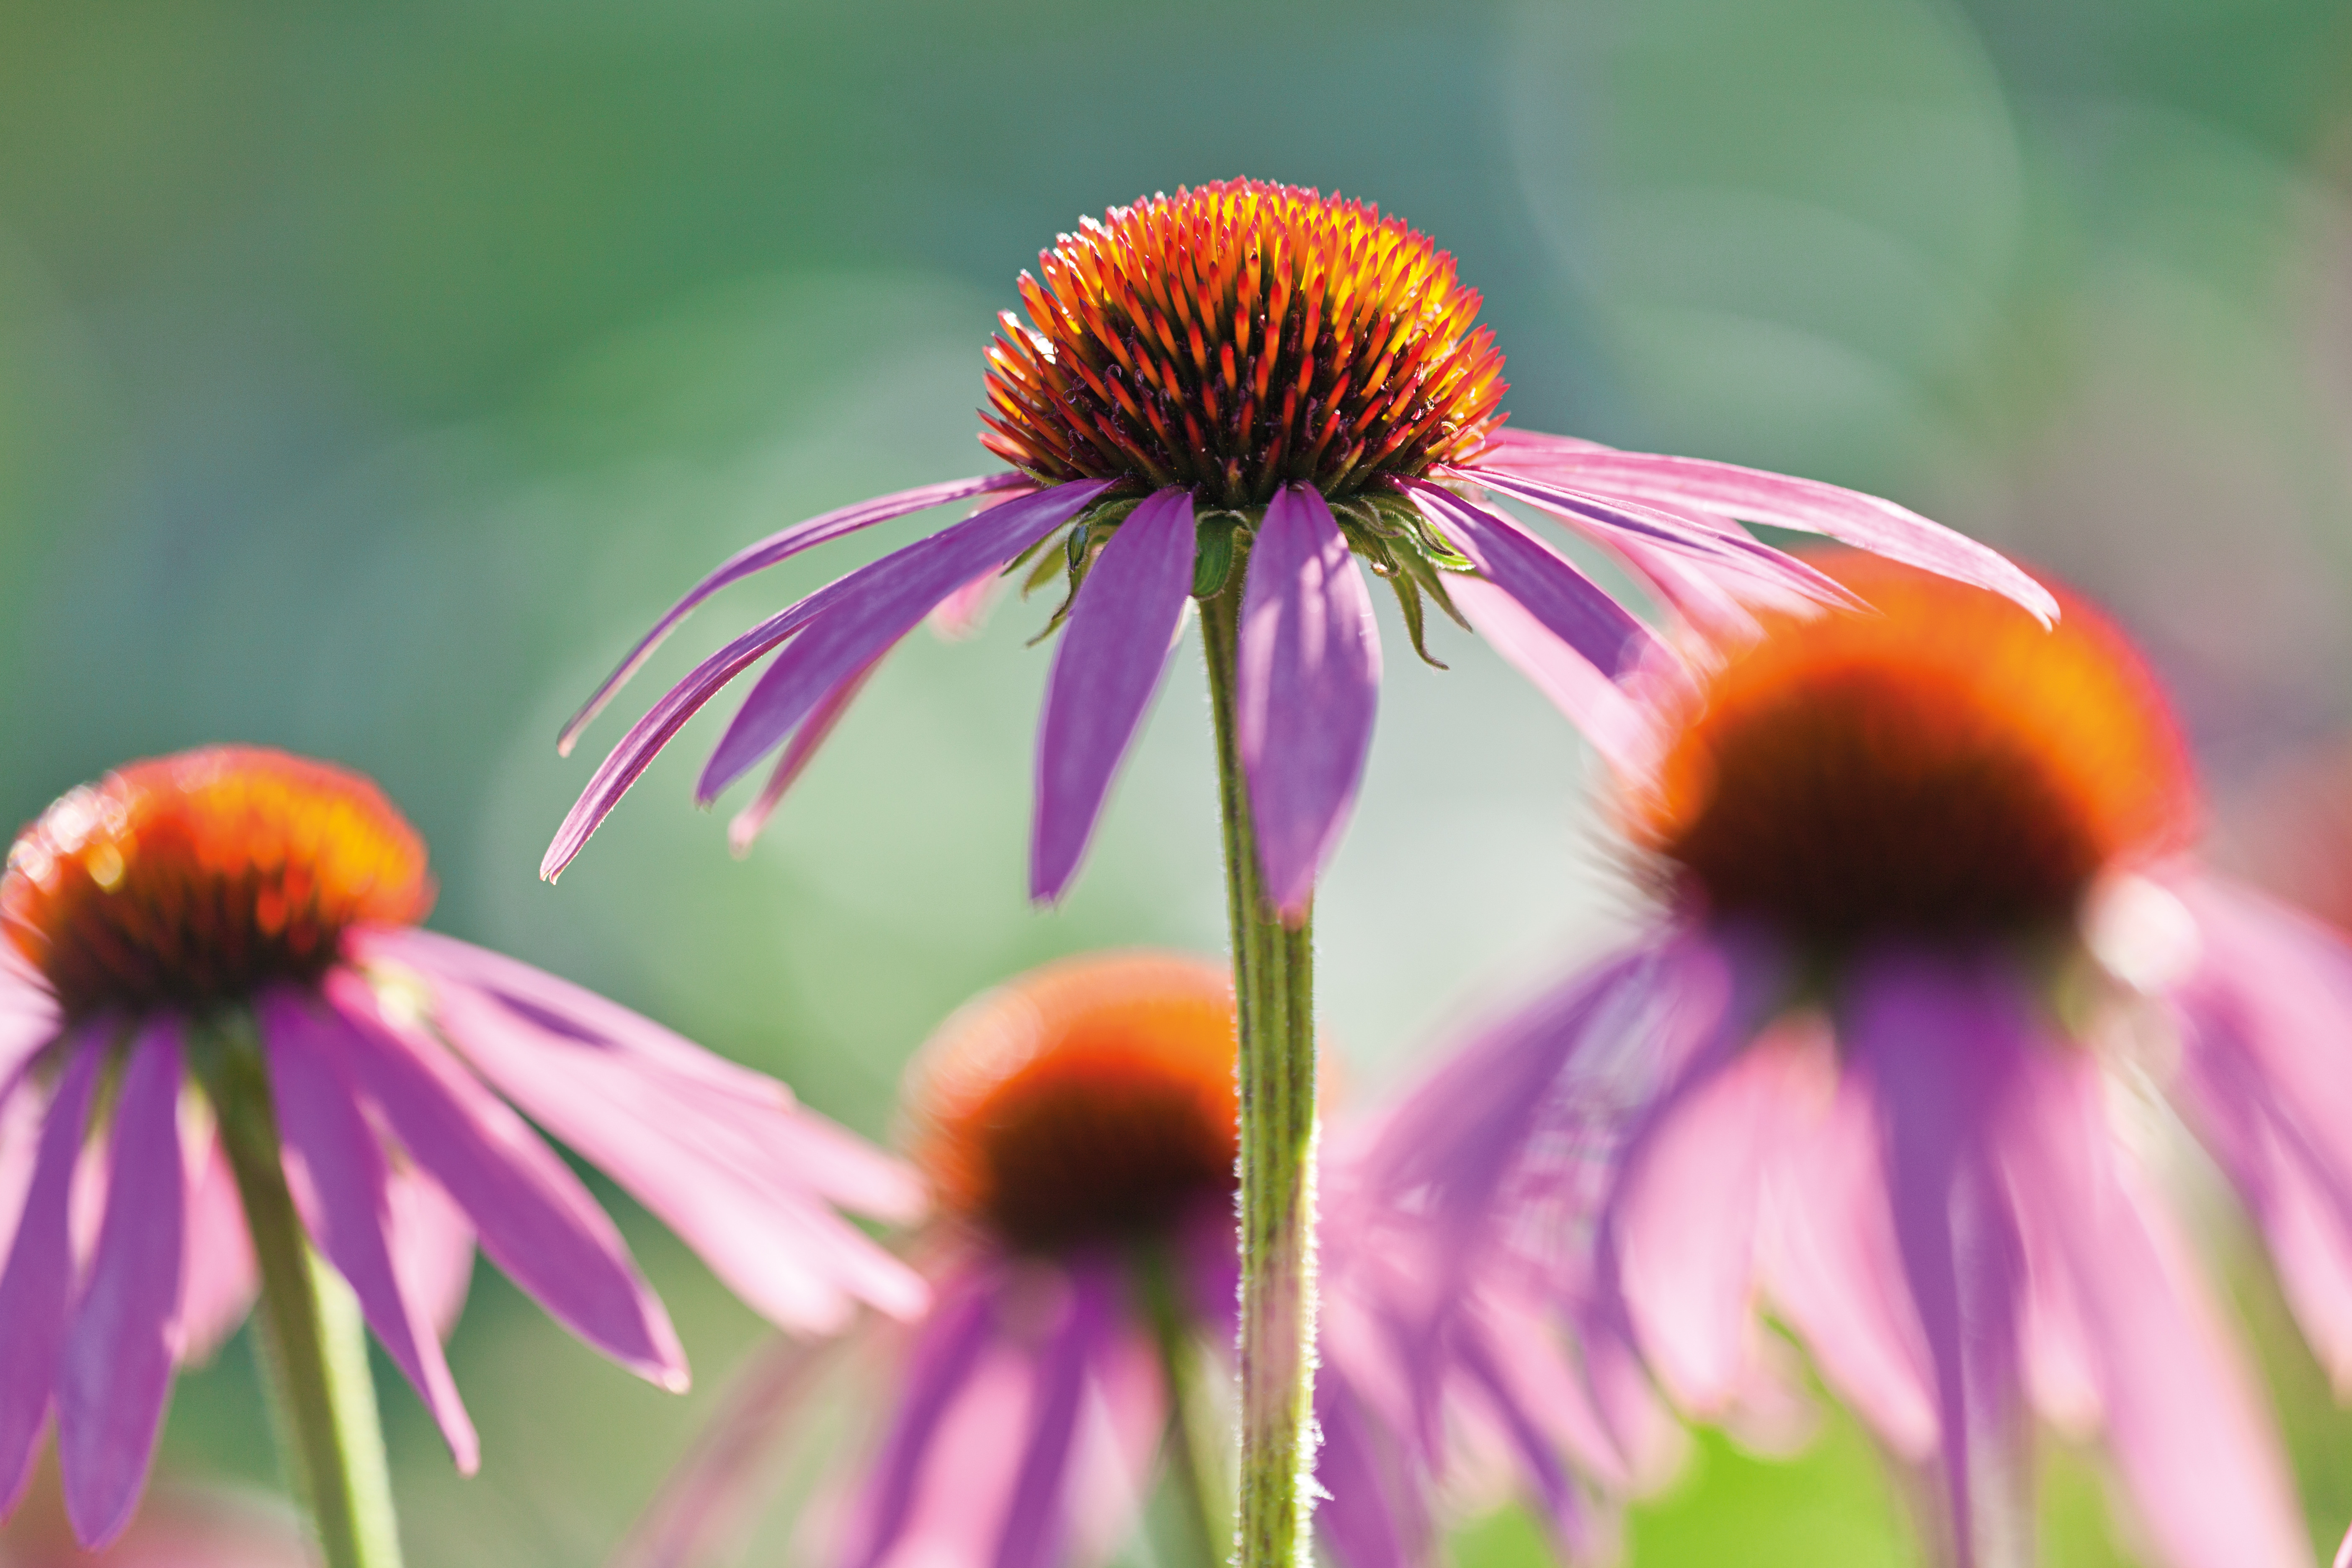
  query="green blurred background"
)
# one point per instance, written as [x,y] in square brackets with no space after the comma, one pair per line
[369,376]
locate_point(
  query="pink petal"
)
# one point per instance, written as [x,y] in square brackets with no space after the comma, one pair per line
[627,761]
[707,1165]
[1115,650]
[1864,521]
[769,552]
[341,1186]
[28,1024]
[219,1279]
[1570,605]
[1373,1515]
[1309,680]
[872,608]
[535,1220]
[799,752]
[1618,728]
[115,1373]
[431,1244]
[2184,1420]
[1685,1213]
[1037,1517]
[37,1285]
[21,1107]
[949,1349]
[959,616]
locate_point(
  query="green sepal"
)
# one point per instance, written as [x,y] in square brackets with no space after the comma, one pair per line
[1216,540]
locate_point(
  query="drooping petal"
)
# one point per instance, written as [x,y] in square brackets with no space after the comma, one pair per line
[1037,1517]
[1310,682]
[707,1165]
[1374,1515]
[770,551]
[1865,522]
[29,1023]
[1940,1046]
[116,1370]
[972,543]
[1115,650]
[340,1183]
[1621,730]
[37,1285]
[2184,1421]
[535,1220]
[219,1279]
[432,1246]
[872,608]
[799,752]
[948,1349]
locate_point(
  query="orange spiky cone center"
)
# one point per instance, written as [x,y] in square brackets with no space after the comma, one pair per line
[192,880]
[1089,1101]
[1945,769]
[1237,337]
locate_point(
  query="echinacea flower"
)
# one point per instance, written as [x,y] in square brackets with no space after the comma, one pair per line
[216,1005]
[1933,949]
[1077,1126]
[1254,379]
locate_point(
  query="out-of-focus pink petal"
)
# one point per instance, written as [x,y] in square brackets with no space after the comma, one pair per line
[431,1244]
[1309,683]
[1374,1515]
[959,616]
[704,1502]
[1114,652]
[949,1348]
[341,1185]
[29,1023]
[535,1220]
[1570,605]
[1828,1261]
[769,552]
[1620,728]
[218,1281]
[971,541]
[705,1165]
[799,752]
[37,1285]
[827,1159]
[1940,1046]
[1685,1225]
[1037,1517]
[872,608]
[1865,522]
[115,1371]
[2184,1422]
[21,1106]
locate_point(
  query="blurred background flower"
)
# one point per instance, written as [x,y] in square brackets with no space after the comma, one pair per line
[365,380]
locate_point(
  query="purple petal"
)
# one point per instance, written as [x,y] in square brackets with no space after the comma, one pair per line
[535,1220]
[21,1106]
[872,608]
[948,1349]
[2184,1420]
[815,731]
[341,1188]
[116,1370]
[1037,1517]
[1309,680]
[1617,727]
[1864,521]
[1941,1047]
[38,1283]
[1374,1515]
[974,540]
[1570,605]
[769,552]
[432,1246]
[707,1165]
[1114,652]
[219,1279]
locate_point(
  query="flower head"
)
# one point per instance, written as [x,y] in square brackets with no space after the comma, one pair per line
[1236,394]
[213,978]
[1929,919]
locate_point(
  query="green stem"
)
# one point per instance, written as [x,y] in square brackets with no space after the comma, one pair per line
[313,1343]
[1273,985]
[1207,1505]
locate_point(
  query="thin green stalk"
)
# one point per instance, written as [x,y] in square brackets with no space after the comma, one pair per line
[313,1343]
[1273,985]
[1193,1446]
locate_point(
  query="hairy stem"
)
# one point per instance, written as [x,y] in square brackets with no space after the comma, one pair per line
[1274,982]
[313,1344]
